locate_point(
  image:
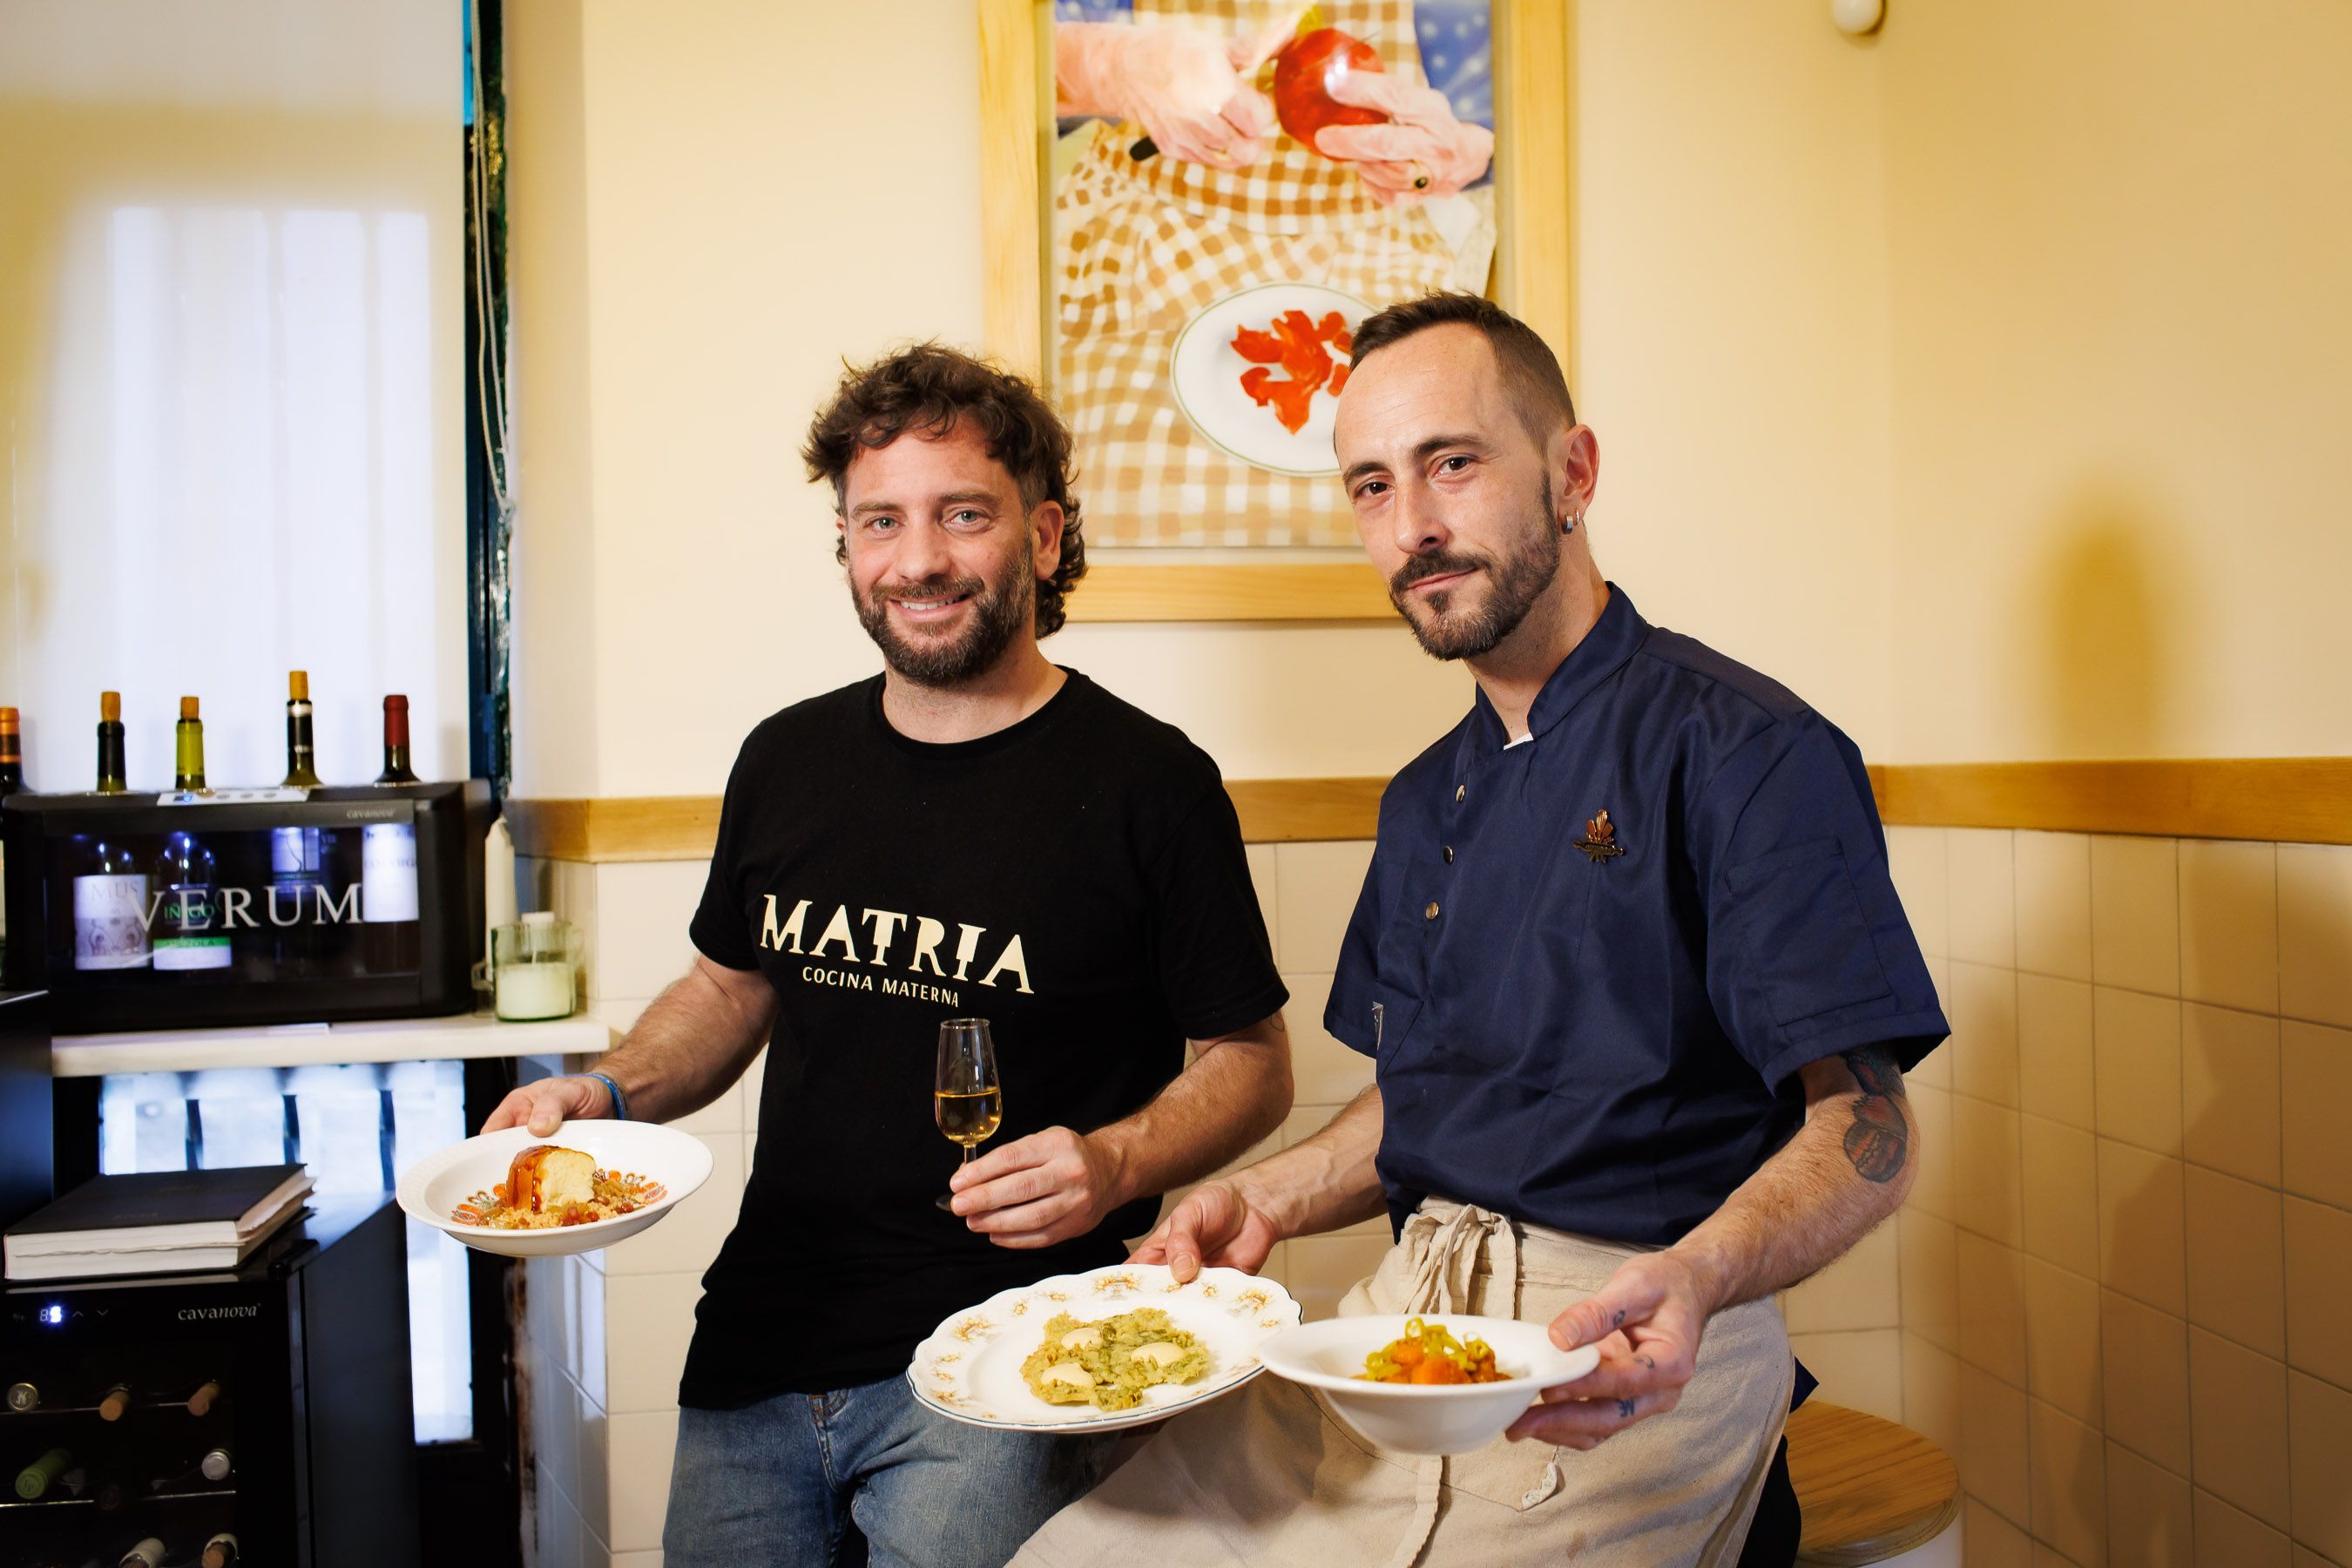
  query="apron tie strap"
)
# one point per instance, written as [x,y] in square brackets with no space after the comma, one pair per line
[1447,1259]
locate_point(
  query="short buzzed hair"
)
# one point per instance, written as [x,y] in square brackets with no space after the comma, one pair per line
[1531,373]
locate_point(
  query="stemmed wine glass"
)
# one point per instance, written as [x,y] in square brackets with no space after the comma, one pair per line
[965,1094]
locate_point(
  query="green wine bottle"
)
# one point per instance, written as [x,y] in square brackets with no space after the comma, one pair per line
[302,773]
[188,749]
[34,1482]
[110,743]
[190,929]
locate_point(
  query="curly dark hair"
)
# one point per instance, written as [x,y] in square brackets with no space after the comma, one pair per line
[929,389]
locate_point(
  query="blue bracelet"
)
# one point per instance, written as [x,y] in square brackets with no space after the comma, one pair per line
[620,1100]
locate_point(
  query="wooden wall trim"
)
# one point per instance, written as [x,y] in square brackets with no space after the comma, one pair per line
[2293,800]
[1258,591]
[685,827]
[637,828]
[1289,811]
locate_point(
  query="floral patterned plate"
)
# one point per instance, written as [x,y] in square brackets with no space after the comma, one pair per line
[970,1369]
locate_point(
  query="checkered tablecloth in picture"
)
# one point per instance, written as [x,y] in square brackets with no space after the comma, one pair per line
[1139,248]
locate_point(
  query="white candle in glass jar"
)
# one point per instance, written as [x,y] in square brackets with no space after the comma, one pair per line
[534,990]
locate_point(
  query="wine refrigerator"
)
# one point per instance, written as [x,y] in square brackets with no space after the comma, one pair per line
[247,906]
[259,1416]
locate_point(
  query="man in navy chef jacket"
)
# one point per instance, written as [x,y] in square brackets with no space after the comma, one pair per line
[1640,995]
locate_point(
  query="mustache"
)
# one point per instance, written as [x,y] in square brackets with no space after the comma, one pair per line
[1434,566]
[945,588]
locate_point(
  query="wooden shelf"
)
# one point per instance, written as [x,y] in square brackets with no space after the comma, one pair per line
[328,1044]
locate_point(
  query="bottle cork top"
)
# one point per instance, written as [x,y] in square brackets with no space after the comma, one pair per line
[298,686]
[395,703]
[109,705]
[7,720]
[188,707]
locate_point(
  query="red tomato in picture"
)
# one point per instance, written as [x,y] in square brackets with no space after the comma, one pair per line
[1303,75]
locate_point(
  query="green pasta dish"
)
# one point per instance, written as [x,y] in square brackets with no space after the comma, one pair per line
[1109,1363]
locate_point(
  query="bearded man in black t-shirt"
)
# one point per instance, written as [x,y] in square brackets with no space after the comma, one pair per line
[975,832]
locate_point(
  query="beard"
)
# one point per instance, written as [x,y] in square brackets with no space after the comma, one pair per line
[949,659]
[1449,630]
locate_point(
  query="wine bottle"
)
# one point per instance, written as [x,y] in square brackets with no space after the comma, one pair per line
[214,1466]
[189,931]
[301,771]
[201,1402]
[388,896]
[297,893]
[110,910]
[396,770]
[220,1552]
[148,1553]
[34,1482]
[24,1397]
[110,770]
[188,751]
[388,862]
[114,1401]
[11,779]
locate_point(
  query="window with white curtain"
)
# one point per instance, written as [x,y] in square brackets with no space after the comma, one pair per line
[231,377]
[232,444]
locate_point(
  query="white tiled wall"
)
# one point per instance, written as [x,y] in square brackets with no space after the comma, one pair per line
[2116,1297]
[2123,1276]
[603,1423]
[603,1419]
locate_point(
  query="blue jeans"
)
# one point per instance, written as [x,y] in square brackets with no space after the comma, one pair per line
[794,1481]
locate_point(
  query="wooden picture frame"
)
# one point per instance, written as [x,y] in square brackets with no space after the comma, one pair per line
[1532,278]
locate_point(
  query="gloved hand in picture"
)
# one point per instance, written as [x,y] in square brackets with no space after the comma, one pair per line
[1422,151]
[1188,88]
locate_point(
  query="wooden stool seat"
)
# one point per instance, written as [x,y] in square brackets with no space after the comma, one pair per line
[1870,1490]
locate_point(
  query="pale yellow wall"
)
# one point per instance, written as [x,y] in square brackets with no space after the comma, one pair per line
[713,204]
[2121,257]
[1731,292]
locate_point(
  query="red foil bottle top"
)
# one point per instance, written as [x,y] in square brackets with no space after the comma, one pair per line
[396,721]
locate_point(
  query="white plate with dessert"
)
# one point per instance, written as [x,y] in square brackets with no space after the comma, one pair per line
[592,1184]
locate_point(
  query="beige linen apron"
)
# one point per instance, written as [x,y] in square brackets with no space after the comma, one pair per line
[1268,1476]
[1140,248]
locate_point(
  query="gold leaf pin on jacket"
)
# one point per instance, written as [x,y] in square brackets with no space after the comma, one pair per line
[1600,840]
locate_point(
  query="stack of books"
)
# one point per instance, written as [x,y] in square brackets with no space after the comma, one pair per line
[161,1222]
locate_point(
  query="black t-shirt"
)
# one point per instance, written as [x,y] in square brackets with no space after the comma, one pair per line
[1078,878]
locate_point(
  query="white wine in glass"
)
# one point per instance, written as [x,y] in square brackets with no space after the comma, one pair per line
[965,1095]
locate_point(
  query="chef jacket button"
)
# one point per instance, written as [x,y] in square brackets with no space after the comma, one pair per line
[1459,791]
[1449,854]
[1431,912]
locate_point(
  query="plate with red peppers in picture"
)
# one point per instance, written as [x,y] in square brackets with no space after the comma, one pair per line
[1258,374]
[590,1185]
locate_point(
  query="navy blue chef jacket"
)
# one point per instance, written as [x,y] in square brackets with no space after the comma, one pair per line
[1609,1042]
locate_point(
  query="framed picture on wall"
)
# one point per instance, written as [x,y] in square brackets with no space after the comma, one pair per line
[1187,206]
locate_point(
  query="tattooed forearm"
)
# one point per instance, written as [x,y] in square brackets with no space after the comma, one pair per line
[1879,1142]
